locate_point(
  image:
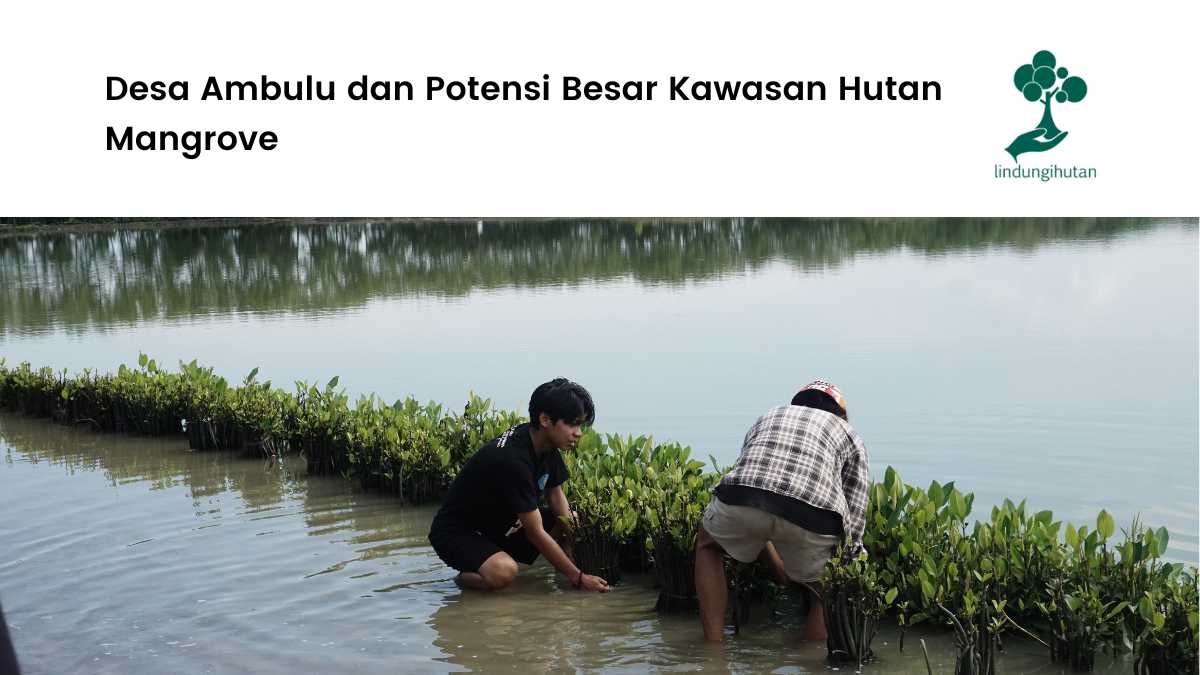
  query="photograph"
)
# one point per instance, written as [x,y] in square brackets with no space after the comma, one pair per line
[643,337]
[964,445]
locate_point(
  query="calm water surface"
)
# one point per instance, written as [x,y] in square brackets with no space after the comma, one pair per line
[1050,360]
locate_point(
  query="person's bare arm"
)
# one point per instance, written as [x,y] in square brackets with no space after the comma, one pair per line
[558,503]
[535,532]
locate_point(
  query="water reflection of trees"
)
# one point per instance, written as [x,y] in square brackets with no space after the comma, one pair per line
[161,463]
[376,521]
[89,280]
[373,526]
[376,532]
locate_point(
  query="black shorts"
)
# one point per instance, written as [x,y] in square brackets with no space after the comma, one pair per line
[466,550]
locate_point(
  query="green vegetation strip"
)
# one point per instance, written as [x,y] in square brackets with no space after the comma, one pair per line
[1078,591]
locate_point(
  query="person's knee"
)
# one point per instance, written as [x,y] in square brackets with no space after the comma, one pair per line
[498,571]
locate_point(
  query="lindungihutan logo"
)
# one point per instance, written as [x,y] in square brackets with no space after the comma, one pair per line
[1045,82]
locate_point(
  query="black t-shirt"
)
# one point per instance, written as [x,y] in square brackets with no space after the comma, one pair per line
[504,478]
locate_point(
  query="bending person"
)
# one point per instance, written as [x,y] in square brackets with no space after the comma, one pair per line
[490,520]
[798,489]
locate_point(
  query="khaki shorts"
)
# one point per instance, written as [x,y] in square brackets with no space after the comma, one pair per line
[743,531]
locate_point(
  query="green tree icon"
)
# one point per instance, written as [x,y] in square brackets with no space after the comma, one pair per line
[1043,81]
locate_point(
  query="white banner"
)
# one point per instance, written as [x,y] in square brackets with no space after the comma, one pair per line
[505,109]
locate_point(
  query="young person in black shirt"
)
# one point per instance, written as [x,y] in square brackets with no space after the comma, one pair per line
[490,518]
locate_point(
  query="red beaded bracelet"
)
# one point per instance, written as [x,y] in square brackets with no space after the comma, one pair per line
[579,580]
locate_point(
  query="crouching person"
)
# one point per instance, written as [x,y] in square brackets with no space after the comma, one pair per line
[797,490]
[490,519]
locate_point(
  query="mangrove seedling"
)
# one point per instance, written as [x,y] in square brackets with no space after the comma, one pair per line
[854,600]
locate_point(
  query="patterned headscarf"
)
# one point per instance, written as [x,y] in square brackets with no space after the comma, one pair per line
[828,388]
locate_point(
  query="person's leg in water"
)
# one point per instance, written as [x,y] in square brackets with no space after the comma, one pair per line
[710,585]
[497,572]
[814,627]
[500,569]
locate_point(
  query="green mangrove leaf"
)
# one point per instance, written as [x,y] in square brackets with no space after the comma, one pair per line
[893,592]
[1146,608]
[899,511]
[1117,609]
[935,493]
[1161,538]
[958,505]
[1105,525]
[946,493]
[927,589]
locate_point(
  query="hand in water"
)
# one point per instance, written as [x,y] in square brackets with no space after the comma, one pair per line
[590,582]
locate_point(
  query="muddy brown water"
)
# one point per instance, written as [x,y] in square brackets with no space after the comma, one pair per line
[123,554]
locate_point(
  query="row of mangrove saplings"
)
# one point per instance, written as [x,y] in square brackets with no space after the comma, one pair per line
[408,448]
[1078,591]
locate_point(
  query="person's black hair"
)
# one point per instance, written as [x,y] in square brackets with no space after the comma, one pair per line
[811,398]
[562,399]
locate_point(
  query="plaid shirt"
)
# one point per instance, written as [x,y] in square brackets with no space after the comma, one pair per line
[810,455]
